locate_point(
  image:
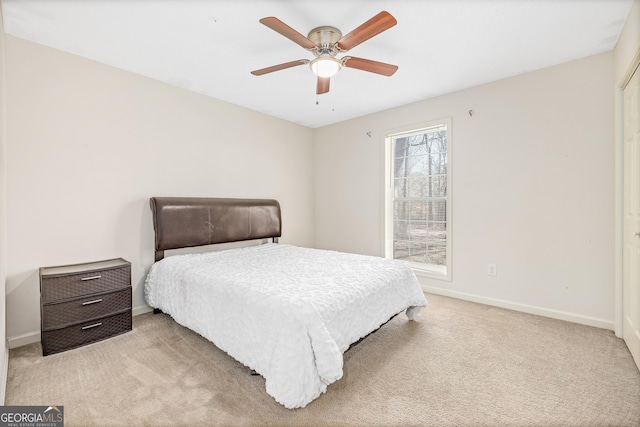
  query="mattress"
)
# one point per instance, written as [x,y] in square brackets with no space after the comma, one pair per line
[287,312]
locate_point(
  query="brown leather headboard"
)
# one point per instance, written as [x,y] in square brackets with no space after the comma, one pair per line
[181,222]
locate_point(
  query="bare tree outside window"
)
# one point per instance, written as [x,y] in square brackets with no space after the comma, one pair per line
[419,168]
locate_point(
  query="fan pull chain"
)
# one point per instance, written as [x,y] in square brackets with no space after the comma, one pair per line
[333,99]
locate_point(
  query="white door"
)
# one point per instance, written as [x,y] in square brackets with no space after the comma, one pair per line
[631,225]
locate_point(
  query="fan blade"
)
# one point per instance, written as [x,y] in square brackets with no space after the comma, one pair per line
[279,67]
[280,27]
[374,26]
[370,66]
[323,85]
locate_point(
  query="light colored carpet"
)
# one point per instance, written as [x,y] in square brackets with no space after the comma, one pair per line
[462,364]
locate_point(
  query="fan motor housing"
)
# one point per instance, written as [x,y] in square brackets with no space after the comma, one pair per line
[325,36]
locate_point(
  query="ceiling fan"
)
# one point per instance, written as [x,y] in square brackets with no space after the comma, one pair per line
[326,42]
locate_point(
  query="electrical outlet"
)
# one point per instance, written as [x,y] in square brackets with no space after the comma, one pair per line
[492,270]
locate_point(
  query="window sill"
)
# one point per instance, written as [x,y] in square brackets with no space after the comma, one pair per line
[435,272]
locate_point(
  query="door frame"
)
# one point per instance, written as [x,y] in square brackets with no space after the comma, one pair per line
[619,193]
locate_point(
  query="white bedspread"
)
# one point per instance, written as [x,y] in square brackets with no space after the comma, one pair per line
[285,311]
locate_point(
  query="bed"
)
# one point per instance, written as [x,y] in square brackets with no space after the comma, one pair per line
[286,312]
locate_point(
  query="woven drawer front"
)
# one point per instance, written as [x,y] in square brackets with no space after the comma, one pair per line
[80,310]
[85,333]
[73,285]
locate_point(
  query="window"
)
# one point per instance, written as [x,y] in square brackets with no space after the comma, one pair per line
[418,198]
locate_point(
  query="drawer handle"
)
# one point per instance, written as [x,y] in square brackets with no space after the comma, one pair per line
[95,325]
[95,301]
[91,278]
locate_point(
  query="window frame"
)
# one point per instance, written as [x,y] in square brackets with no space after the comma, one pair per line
[425,270]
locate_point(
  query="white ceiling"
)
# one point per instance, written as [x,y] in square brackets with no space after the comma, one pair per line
[210,46]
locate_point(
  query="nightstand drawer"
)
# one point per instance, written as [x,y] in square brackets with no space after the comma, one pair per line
[59,340]
[79,310]
[74,285]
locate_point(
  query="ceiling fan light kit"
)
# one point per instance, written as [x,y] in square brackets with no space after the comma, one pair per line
[325,66]
[326,42]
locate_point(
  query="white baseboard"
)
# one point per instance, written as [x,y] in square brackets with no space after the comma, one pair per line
[25,339]
[631,337]
[525,308]
[31,337]
[141,309]
[5,374]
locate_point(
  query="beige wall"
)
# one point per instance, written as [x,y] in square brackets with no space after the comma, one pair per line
[3,229]
[628,46]
[533,189]
[88,144]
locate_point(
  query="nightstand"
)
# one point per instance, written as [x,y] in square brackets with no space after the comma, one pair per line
[84,303]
